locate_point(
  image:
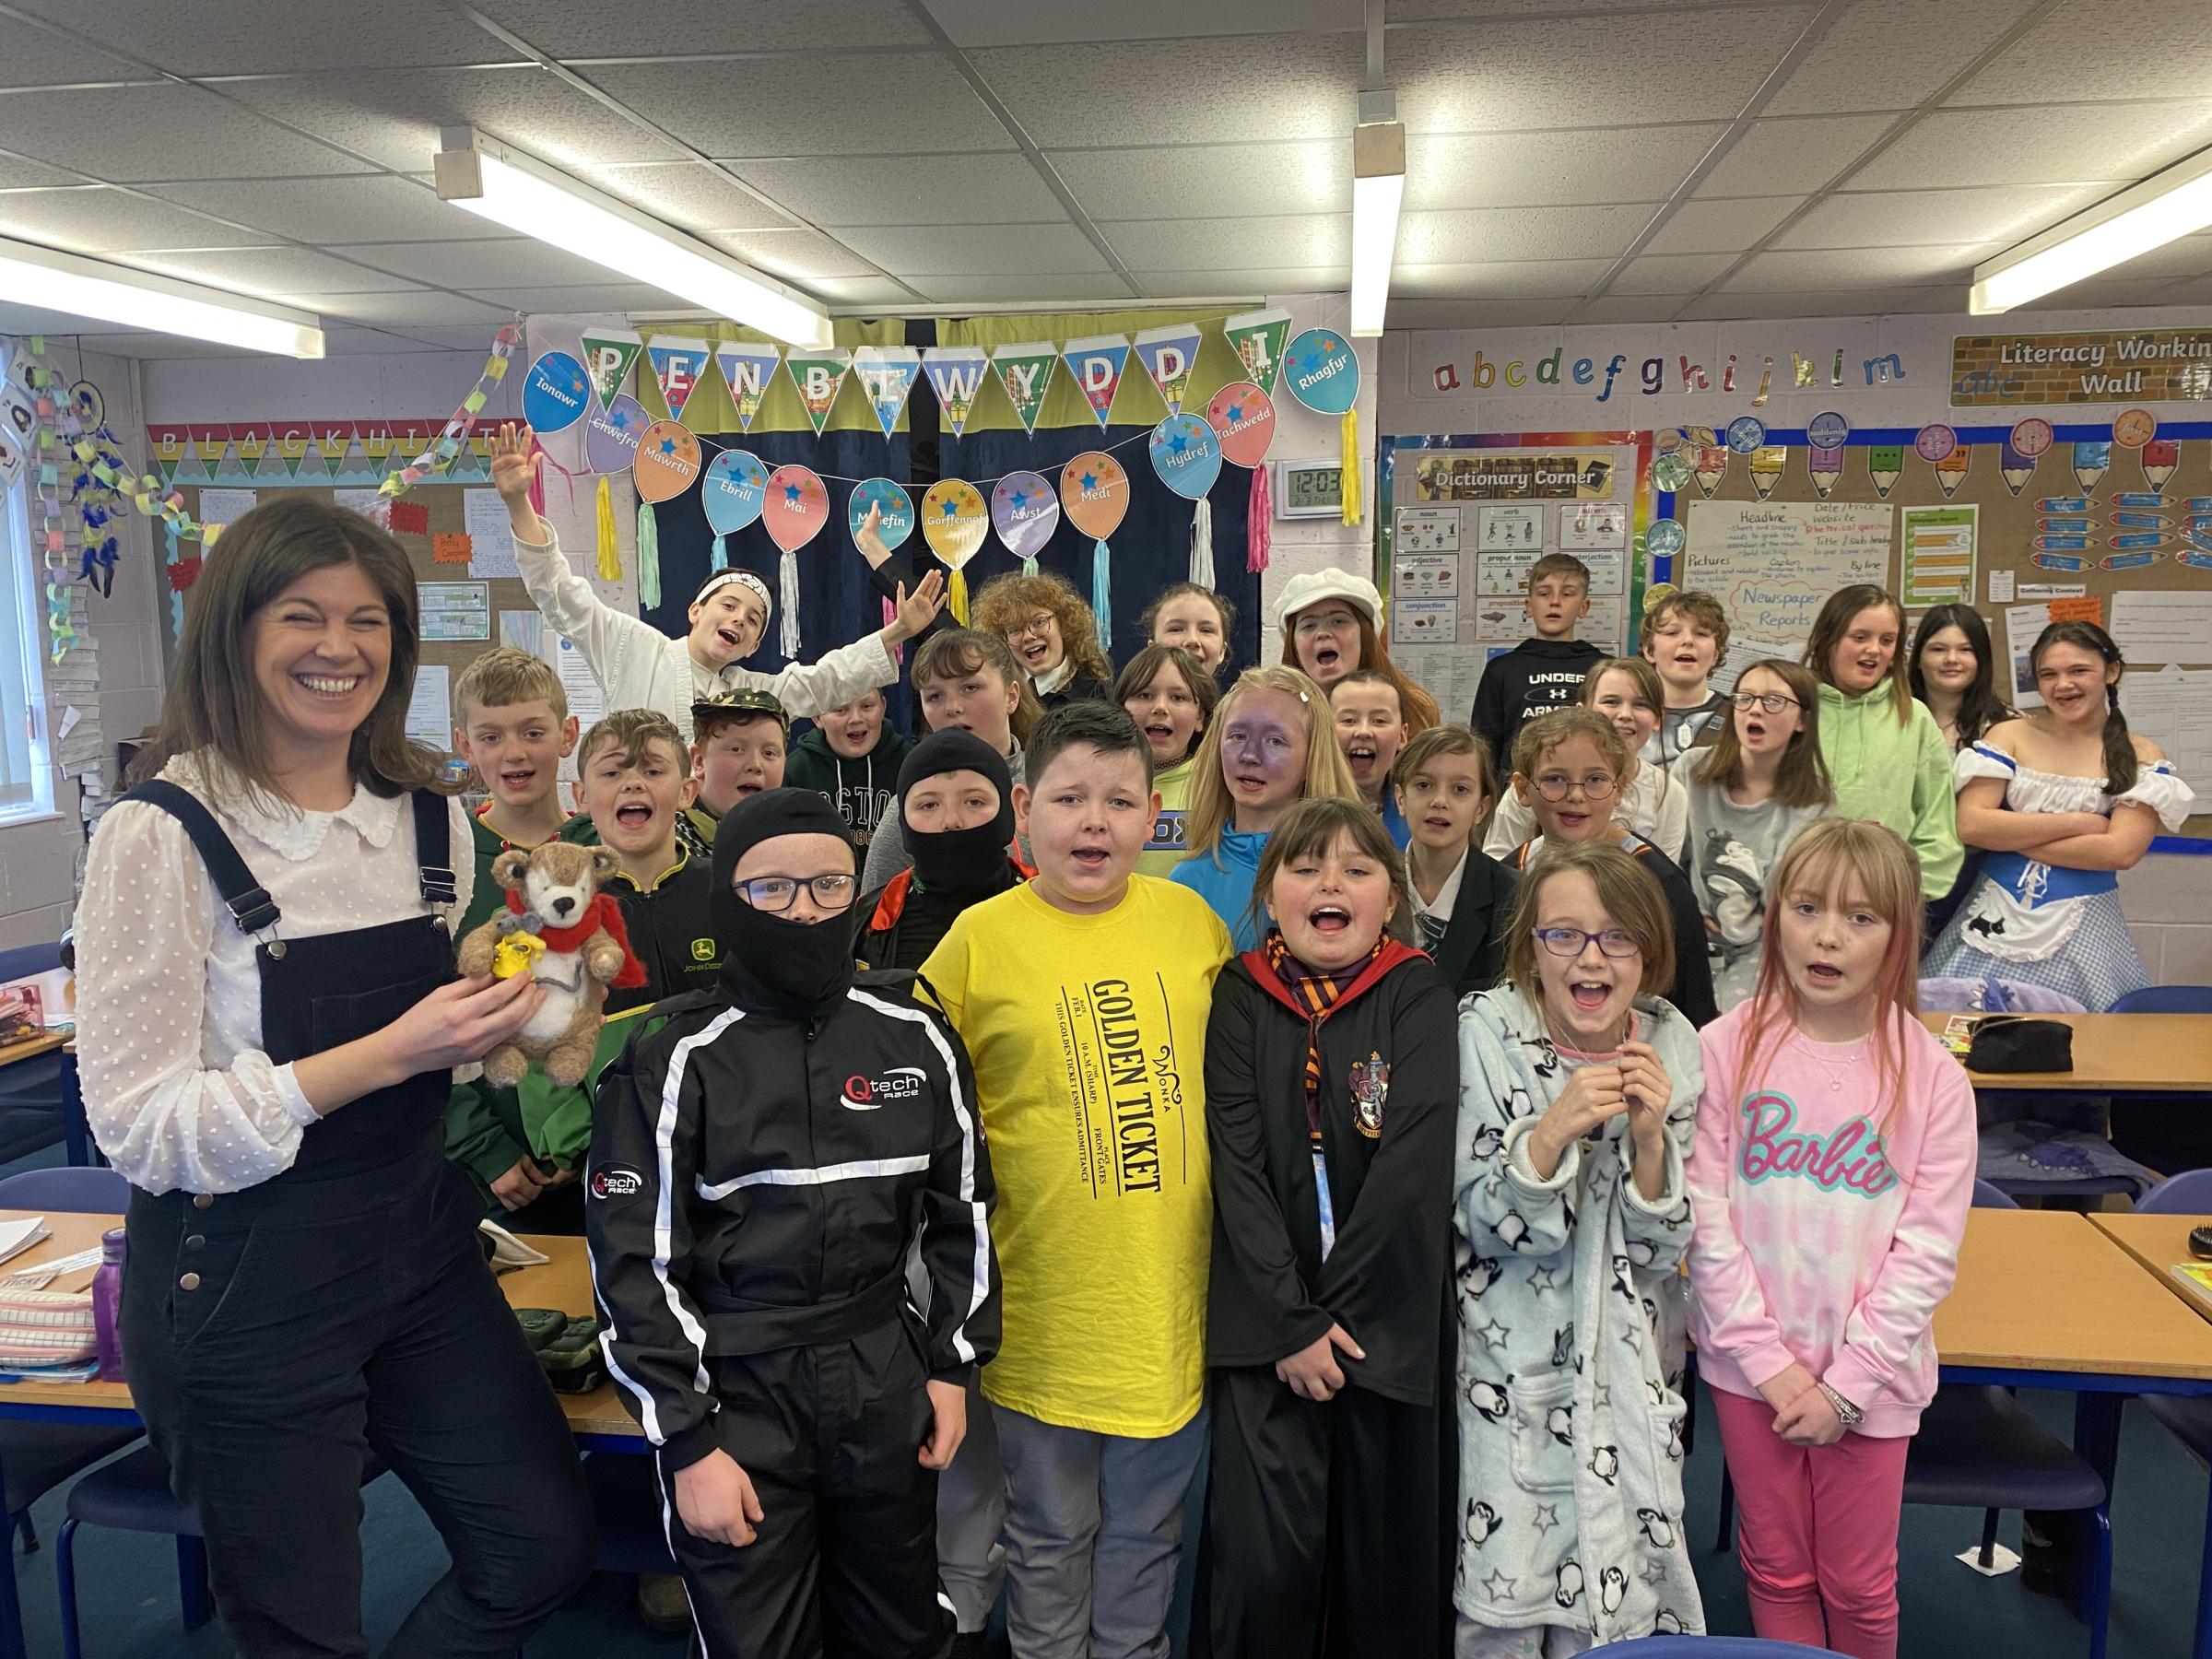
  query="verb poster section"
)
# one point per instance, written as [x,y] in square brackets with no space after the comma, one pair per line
[1467,517]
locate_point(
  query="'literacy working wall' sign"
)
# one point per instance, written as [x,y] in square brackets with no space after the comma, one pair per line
[2091,366]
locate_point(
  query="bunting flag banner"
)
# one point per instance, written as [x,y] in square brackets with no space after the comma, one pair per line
[1168,354]
[1026,370]
[209,442]
[1097,363]
[894,509]
[556,396]
[746,370]
[169,449]
[608,355]
[1243,416]
[1186,455]
[677,364]
[886,379]
[610,438]
[1025,512]
[956,375]
[818,375]
[1258,338]
[667,460]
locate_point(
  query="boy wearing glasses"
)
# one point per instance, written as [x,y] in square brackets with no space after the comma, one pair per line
[766,1154]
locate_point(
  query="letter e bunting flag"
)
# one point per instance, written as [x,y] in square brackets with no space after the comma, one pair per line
[1026,370]
[1168,354]
[1096,364]
[817,375]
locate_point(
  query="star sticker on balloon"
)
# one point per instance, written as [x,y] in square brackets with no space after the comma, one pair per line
[1177,444]
[952,509]
[1091,482]
[668,446]
[1328,345]
[1236,413]
[791,495]
[1020,497]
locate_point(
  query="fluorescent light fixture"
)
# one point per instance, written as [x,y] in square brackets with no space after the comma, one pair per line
[522,193]
[1378,188]
[2143,216]
[52,280]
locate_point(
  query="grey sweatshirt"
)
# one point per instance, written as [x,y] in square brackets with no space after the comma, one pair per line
[1733,852]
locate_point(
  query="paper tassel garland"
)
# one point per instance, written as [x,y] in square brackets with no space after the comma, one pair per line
[1257,512]
[1101,593]
[1201,543]
[610,547]
[787,588]
[649,559]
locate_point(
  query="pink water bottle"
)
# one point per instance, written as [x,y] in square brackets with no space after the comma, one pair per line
[107,1297]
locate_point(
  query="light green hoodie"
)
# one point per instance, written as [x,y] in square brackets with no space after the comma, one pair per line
[1899,776]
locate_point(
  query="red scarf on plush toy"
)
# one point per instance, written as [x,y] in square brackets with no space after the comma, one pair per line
[602,912]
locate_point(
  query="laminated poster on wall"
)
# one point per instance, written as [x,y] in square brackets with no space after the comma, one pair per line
[1427,530]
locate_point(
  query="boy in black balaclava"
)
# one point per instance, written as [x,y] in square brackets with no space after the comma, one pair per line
[765,1155]
[950,778]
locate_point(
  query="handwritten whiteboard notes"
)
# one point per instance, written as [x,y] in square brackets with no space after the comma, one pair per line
[1771,564]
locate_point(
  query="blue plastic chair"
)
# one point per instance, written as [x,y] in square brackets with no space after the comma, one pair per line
[33,1087]
[2187,1418]
[1977,1449]
[36,1458]
[2166,999]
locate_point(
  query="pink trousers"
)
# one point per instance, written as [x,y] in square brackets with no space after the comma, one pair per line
[1816,1531]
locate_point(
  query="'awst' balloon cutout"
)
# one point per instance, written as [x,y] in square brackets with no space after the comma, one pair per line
[1025,512]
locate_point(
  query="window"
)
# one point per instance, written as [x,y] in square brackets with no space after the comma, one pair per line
[26,777]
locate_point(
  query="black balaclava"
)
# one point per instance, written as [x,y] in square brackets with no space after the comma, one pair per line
[966,865]
[769,963]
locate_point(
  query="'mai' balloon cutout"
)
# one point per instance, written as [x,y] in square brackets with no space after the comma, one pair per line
[1025,513]
[796,508]
[1186,455]
[556,392]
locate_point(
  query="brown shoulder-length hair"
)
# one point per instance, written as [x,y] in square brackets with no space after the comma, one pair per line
[952,652]
[1629,893]
[1415,704]
[1006,603]
[1144,668]
[1802,779]
[1834,622]
[214,705]
[1310,828]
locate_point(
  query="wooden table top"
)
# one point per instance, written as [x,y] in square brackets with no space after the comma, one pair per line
[31,1048]
[2164,1053]
[2158,1242]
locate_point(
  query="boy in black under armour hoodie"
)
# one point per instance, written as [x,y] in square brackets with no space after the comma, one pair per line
[764,1157]
[1545,671]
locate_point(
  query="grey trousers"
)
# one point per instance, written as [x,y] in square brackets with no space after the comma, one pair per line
[971,1514]
[1094,1533]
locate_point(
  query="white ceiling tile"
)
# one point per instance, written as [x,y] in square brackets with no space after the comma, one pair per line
[475,337]
[1801,156]
[589,29]
[1226,244]
[1814,302]
[602,296]
[990,187]
[819,104]
[1900,218]
[796,255]
[687,195]
[1006,250]
[1632,308]
[1478,313]
[1670,272]
[31,57]
[1502,233]
[411,310]
[262,40]
[18,172]
[862,290]
[482,262]
[1307,175]
[2077,55]
[1024,23]
[1856,268]
[1255,279]
[1203,91]
[1102,288]
[1548,71]
[1517,279]
[101,221]
[130,133]
[265,271]
[392,116]
[323,212]
[1892,55]
[1728,226]
[1533,169]
[2048,145]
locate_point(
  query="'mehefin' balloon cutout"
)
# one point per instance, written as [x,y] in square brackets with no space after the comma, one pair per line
[895,509]
[1096,364]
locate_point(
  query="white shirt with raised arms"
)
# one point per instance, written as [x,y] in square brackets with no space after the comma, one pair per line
[178,1090]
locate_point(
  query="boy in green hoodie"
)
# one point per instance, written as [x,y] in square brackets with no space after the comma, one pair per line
[514,727]
[852,756]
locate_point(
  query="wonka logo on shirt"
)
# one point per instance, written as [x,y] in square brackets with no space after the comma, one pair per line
[1117,1031]
[868,1094]
[1853,1158]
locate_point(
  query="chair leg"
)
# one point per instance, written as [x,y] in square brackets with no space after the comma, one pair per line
[191,1581]
[28,1530]
[1989,1537]
[64,1580]
[2100,1608]
[1726,1534]
[11,1610]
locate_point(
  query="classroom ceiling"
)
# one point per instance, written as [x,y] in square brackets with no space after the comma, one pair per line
[1568,160]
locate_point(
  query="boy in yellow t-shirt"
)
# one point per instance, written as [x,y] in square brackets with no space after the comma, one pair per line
[1082,996]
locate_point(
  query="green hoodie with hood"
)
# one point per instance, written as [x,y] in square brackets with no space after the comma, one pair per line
[1898,775]
[862,789]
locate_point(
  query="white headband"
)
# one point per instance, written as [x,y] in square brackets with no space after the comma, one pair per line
[723,578]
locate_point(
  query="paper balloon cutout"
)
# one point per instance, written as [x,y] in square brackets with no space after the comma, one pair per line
[734,491]
[954,520]
[1323,372]
[556,392]
[1095,491]
[892,501]
[1186,455]
[1243,416]
[1025,512]
[610,438]
[797,507]
[667,462]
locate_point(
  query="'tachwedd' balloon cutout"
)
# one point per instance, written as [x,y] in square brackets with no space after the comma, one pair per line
[1243,418]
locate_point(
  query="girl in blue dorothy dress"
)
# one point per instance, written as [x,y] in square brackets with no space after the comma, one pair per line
[2061,801]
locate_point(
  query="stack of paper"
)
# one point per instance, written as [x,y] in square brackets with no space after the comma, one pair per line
[15,1237]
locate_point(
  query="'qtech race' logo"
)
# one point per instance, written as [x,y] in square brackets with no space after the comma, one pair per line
[901,1083]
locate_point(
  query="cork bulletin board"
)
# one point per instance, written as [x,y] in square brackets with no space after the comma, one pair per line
[2119,532]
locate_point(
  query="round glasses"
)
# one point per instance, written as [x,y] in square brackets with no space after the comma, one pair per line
[1040,624]
[1598,786]
[1569,941]
[1767,702]
[778,893]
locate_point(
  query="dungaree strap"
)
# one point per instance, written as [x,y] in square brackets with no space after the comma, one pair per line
[251,906]
[433,845]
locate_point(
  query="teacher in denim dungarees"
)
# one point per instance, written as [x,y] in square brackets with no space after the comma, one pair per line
[268,1017]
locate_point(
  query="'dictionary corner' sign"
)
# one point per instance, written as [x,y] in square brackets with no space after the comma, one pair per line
[2087,365]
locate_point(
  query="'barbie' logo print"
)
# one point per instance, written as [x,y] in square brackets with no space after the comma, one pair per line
[1853,1158]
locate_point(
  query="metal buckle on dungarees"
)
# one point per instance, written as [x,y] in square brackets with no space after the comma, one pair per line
[441,892]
